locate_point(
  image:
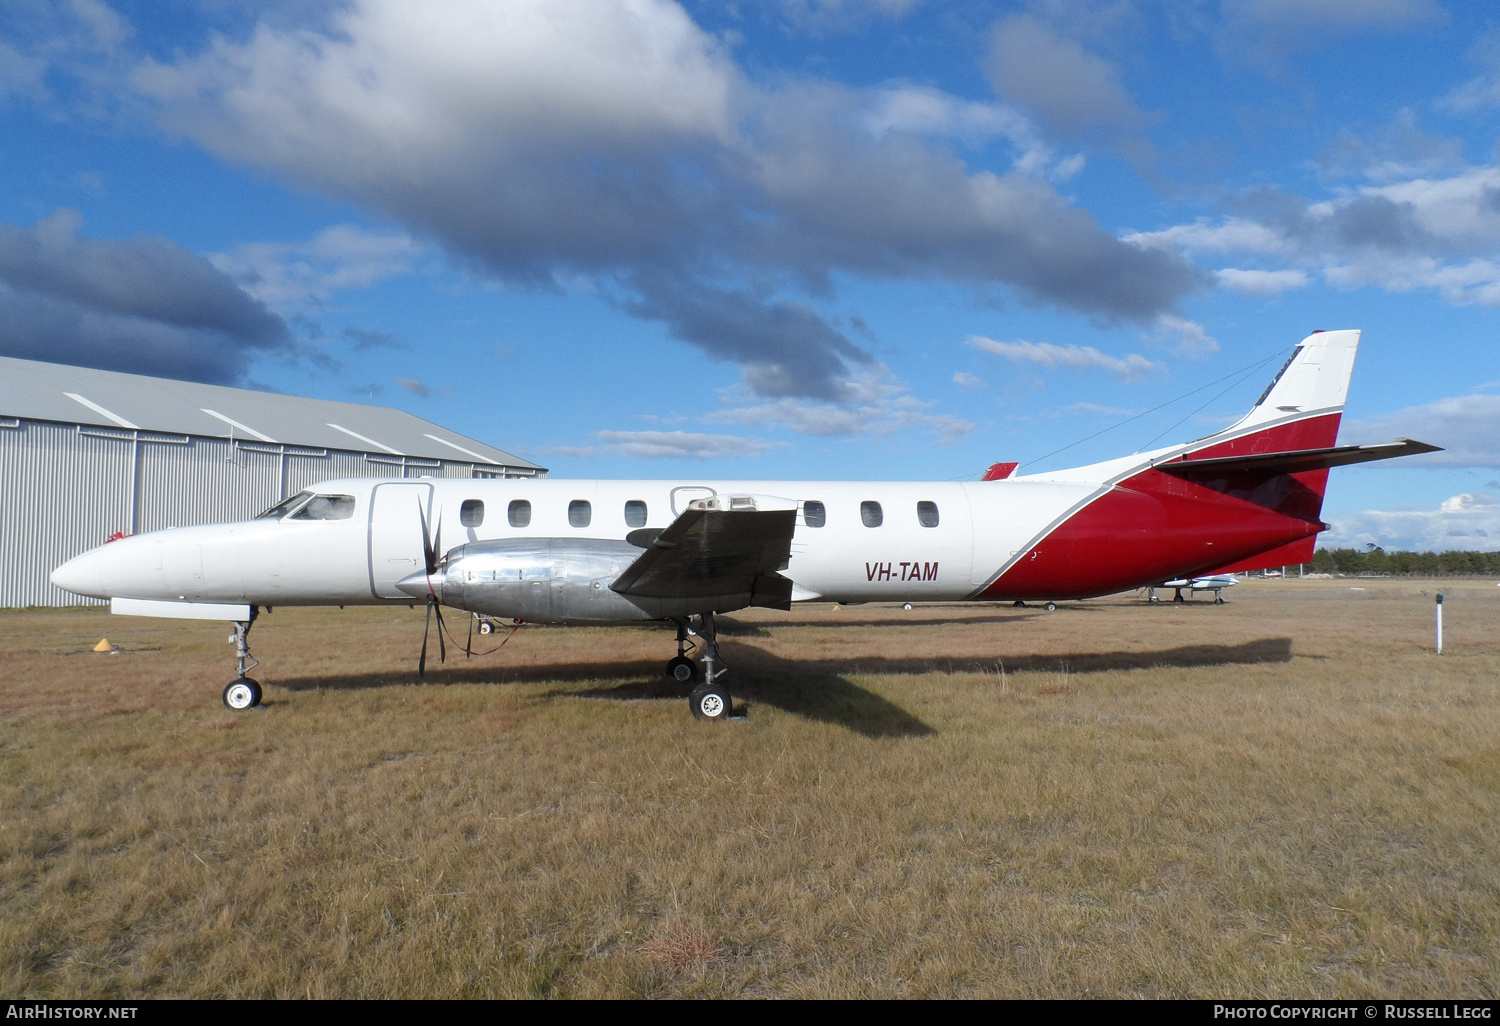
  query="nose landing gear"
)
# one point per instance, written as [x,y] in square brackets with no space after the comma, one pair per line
[243,693]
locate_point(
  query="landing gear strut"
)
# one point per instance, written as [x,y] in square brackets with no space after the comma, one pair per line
[710,700]
[243,693]
[682,669]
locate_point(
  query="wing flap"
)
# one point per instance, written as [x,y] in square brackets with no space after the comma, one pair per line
[712,552]
[1298,461]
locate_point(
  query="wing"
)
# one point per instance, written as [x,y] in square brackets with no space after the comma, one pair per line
[712,552]
[1298,461]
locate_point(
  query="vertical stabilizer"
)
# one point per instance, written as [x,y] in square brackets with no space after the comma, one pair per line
[1300,408]
[1314,381]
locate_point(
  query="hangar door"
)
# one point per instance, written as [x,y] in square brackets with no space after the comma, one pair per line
[396,513]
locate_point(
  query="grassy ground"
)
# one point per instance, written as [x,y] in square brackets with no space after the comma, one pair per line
[1287,795]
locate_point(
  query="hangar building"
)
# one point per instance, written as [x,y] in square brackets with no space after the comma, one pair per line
[88,453]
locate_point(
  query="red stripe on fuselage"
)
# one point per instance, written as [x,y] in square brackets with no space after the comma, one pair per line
[1154,526]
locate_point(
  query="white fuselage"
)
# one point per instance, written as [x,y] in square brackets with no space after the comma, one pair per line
[980,528]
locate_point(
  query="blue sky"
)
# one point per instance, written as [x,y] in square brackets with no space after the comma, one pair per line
[795,238]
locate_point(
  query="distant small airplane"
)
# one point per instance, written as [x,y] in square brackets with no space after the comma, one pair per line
[1215,583]
[617,552]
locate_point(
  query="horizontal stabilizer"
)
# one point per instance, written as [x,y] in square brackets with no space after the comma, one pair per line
[712,552]
[1299,460]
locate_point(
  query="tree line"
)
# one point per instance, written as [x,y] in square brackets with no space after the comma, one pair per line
[1425,564]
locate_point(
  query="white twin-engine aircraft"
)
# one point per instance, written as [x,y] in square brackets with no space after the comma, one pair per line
[616,552]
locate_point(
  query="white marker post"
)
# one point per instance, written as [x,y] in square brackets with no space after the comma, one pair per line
[1440,623]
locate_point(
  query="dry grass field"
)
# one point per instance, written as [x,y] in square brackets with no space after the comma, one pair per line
[1289,795]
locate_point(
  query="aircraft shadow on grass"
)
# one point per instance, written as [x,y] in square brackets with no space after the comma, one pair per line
[815,689]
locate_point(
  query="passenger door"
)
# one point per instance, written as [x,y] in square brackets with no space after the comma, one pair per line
[396,512]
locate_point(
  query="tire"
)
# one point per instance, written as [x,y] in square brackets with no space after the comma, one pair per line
[241,694]
[710,702]
[683,670]
[485,627]
[1051,607]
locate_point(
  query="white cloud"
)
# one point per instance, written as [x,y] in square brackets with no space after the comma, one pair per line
[826,15]
[1231,235]
[1193,340]
[614,145]
[669,445]
[963,379]
[1095,410]
[1261,284]
[1466,426]
[1336,14]
[1267,30]
[1131,368]
[1068,89]
[1468,521]
[1438,233]
[874,404]
[923,110]
[289,274]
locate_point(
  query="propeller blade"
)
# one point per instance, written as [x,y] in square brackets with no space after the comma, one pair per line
[422,659]
[469,644]
[442,629]
[429,549]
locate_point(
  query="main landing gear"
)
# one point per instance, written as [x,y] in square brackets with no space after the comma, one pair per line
[710,700]
[243,693]
[682,669]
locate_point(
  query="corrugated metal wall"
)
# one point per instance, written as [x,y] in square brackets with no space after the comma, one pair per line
[61,493]
[65,489]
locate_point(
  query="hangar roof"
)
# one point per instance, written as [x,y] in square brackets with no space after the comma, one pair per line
[33,390]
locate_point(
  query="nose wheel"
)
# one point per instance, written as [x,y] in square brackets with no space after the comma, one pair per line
[243,693]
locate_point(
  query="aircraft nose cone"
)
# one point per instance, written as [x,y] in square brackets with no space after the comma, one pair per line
[419,585]
[82,575]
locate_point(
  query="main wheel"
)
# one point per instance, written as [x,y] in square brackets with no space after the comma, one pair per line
[242,694]
[1218,600]
[682,670]
[1051,607]
[710,702]
[485,627]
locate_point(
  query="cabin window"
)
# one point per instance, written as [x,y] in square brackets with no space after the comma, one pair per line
[471,513]
[580,513]
[927,514]
[327,507]
[870,514]
[519,512]
[635,513]
[814,514]
[284,507]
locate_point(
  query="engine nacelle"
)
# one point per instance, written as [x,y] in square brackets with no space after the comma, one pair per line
[550,580]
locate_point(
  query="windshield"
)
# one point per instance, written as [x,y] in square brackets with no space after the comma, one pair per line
[285,506]
[327,507]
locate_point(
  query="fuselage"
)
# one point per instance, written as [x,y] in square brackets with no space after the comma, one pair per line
[863,541]
[856,541]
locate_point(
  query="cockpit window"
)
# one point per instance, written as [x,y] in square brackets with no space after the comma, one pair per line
[285,506]
[327,507]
